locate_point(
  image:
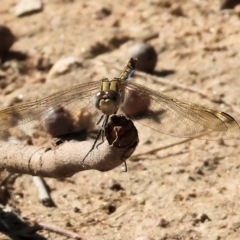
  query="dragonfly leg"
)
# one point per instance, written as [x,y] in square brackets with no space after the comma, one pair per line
[105,121]
[99,120]
[93,146]
[124,168]
[100,133]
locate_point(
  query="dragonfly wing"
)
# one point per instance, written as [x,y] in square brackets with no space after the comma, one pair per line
[31,114]
[177,118]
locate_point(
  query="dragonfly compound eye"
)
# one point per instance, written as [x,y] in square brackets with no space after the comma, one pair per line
[108,101]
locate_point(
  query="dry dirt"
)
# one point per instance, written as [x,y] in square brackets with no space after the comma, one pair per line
[188,191]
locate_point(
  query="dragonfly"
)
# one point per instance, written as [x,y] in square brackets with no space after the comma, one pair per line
[150,108]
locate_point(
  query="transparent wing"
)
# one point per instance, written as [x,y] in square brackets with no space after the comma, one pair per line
[177,118]
[31,114]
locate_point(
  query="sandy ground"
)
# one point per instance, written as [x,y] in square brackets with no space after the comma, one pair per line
[188,191]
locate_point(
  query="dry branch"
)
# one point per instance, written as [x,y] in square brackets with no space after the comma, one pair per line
[65,159]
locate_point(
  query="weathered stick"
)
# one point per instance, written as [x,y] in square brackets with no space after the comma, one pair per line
[65,159]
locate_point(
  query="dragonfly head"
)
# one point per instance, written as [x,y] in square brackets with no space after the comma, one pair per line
[108,101]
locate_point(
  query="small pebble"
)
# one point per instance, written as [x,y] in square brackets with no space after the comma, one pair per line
[42,63]
[27,7]
[76,210]
[163,223]
[228,4]
[116,187]
[146,55]
[57,121]
[63,65]
[204,217]
[6,39]
[135,104]
[111,209]
[102,13]
[176,10]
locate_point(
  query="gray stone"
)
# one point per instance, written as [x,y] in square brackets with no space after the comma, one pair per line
[64,65]
[27,7]
[146,55]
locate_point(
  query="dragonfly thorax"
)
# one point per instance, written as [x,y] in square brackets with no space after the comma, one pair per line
[108,101]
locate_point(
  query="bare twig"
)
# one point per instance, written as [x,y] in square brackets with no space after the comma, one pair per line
[150,37]
[65,159]
[43,194]
[53,228]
